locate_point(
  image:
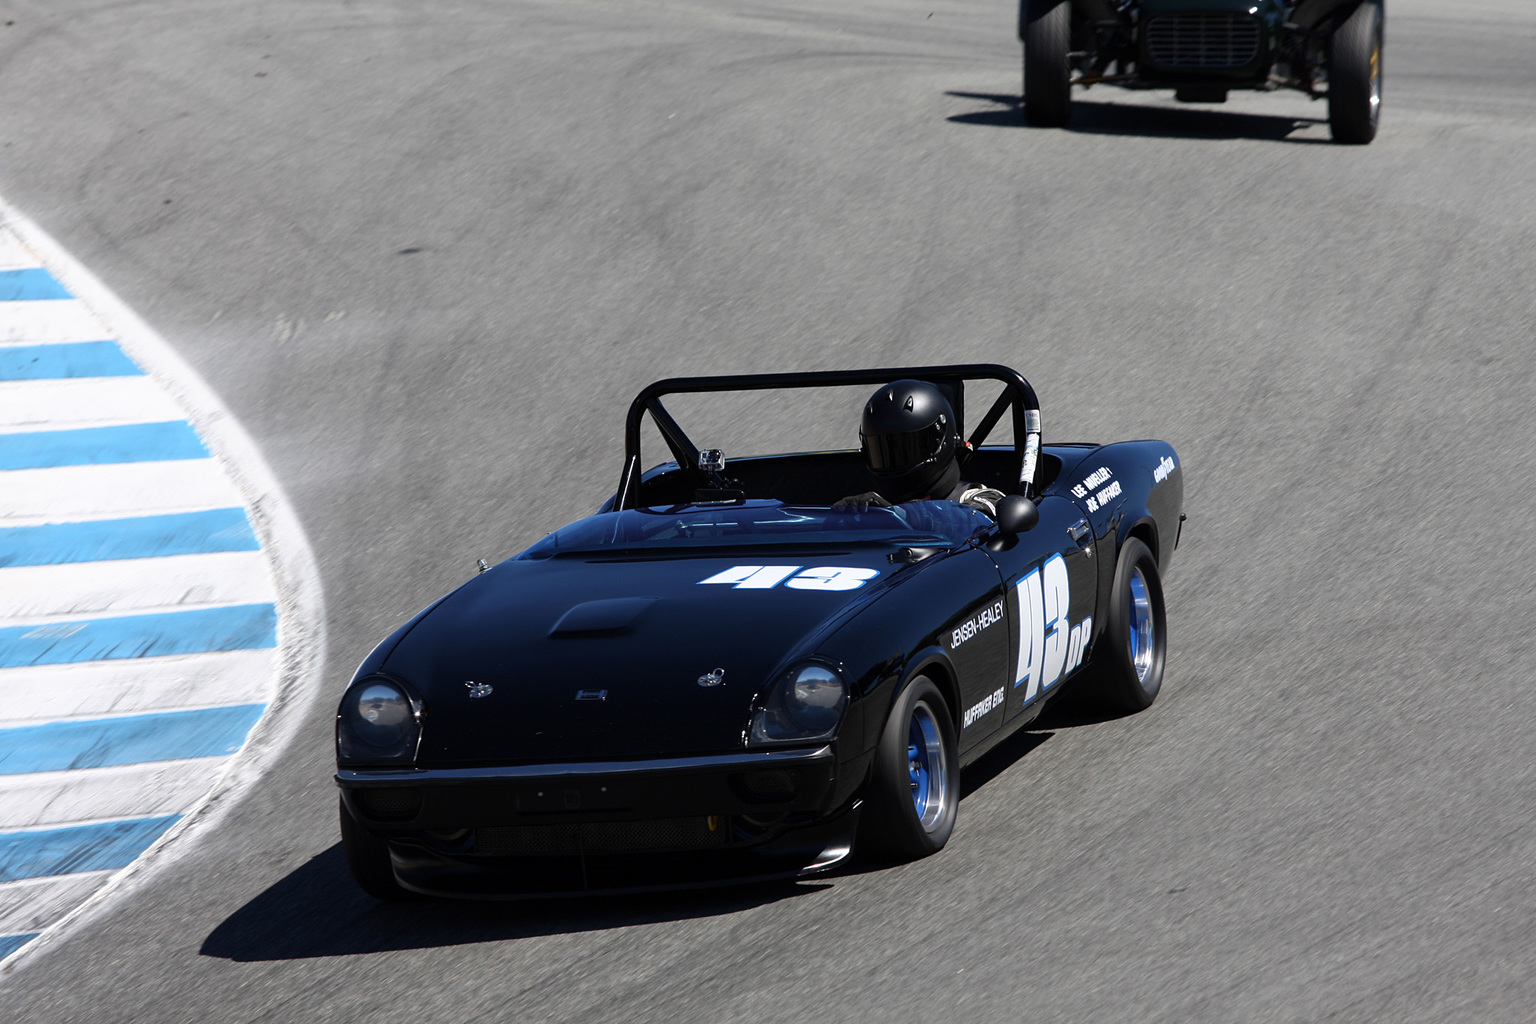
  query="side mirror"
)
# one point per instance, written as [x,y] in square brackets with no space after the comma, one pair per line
[1016,514]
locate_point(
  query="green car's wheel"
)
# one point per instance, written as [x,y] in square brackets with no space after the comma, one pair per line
[1354,75]
[1046,28]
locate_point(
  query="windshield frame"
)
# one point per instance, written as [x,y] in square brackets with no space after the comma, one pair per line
[710,527]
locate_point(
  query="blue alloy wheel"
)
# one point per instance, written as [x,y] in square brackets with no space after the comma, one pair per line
[914,787]
[1126,670]
[1142,626]
[927,767]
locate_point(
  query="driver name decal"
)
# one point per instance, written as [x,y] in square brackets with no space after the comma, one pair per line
[1084,491]
[1049,645]
[766,577]
[1091,481]
[1104,497]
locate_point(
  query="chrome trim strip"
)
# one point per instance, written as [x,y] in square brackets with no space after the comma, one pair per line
[754,759]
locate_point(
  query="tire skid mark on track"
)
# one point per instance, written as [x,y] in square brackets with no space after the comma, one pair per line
[157,600]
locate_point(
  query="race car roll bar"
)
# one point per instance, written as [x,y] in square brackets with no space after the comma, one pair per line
[1017,394]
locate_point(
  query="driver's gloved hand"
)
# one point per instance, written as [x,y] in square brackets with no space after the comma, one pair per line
[869,499]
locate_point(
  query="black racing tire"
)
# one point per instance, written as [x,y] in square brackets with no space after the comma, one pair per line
[1127,669]
[368,860]
[914,792]
[1355,75]
[1046,28]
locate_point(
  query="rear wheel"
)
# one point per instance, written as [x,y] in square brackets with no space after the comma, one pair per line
[368,860]
[1127,669]
[1354,76]
[1046,28]
[915,792]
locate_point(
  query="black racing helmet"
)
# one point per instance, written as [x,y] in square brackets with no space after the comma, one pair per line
[909,437]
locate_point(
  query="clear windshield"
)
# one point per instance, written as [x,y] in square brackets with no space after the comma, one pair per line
[916,523]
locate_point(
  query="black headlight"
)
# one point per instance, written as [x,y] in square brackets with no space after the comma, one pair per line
[806,703]
[378,721]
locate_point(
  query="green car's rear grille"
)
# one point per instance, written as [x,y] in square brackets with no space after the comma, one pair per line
[1202,42]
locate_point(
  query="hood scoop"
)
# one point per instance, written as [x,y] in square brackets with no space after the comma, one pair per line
[608,617]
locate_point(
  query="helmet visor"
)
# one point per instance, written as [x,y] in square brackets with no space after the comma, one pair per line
[897,453]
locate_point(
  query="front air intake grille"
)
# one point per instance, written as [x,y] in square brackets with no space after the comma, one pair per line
[389,804]
[603,837]
[1202,42]
[775,786]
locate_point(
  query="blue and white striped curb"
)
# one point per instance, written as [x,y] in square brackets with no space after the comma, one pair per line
[156,597]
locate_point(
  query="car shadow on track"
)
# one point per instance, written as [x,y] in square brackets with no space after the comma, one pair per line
[318,911]
[1091,117]
[1064,712]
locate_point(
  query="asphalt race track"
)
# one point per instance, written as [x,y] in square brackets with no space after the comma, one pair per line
[425,252]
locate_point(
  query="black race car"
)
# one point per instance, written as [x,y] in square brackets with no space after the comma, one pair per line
[1204,48]
[735,671]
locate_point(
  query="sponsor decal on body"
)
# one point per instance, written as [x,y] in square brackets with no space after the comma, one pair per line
[1091,481]
[1104,497]
[1097,480]
[968,629]
[981,707]
[766,577]
[1164,466]
[1050,646]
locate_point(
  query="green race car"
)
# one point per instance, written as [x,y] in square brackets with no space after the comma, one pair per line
[1202,49]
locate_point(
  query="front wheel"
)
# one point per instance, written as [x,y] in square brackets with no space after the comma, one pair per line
[1046,28]
[914,794]
[1127,669]
[1354,76]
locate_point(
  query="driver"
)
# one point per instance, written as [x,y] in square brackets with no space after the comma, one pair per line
[909,437]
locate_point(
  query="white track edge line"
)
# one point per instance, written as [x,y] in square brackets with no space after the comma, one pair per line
[301,606]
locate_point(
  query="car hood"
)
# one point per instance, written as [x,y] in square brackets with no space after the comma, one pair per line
[591,658]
